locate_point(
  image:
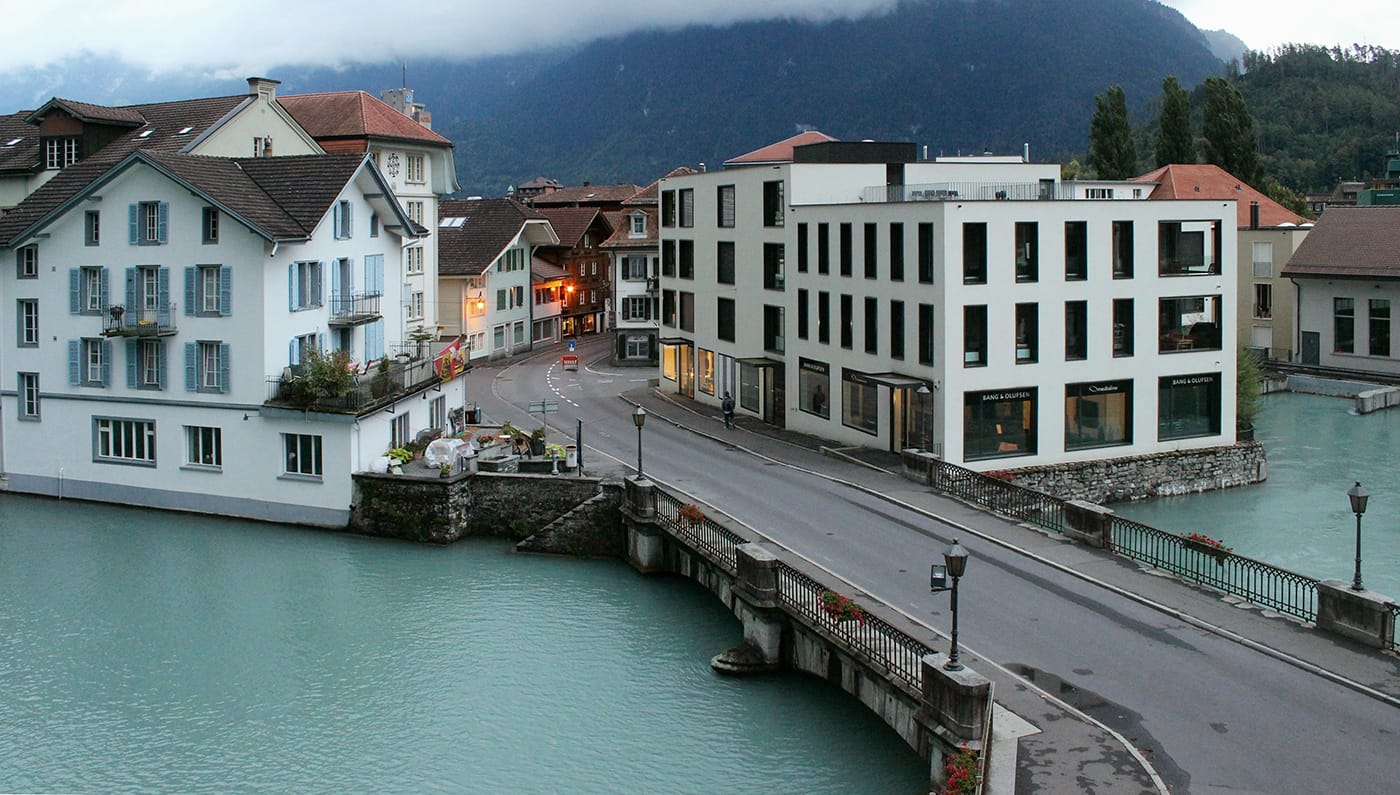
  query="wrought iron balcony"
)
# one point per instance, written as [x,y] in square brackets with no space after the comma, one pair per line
[353,309]
[122,321]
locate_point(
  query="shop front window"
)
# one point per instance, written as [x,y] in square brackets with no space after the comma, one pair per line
[859,406]
[814,385]
[1098,414]
[999,424]
[1188,406]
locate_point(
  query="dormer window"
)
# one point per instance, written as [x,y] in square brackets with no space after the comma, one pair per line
[60,152]
[639,225]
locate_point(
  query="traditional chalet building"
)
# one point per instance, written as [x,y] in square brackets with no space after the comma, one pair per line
[550,283]
[1347,277]
[976,307]
[587,294]
[485,248]
[533,188]
[1267,235]
[166,308]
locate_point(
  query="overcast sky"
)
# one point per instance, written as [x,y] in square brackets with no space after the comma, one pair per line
[235,39]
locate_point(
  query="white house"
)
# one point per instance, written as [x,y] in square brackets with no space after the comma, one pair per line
[975,307]
[163,309]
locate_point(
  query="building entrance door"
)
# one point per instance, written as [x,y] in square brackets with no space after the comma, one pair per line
[1312,347]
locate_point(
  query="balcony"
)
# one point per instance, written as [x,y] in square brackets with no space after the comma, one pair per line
[354,309]
[653,284]
[409,370]
[122,321]
[968,191]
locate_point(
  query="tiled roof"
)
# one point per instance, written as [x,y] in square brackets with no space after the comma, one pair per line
[780,152]
[88,112]
[49,196]
[1203,181]
[651,194]
[23,155]
[570,223]
[621,237]
[540,182]
[545,271]
[490,226]
[355,114]
[594,195]
[304,185]
[1350,241]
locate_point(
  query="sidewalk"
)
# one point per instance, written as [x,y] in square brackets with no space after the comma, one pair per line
[1067,755]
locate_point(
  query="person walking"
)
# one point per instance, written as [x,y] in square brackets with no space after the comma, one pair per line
[727,406]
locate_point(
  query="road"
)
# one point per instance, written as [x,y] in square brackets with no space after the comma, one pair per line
[1211,714]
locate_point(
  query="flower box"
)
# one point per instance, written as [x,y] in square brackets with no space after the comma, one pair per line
[840,608]
[1208,546]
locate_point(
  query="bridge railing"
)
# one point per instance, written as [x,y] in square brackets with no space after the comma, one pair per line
[704,533]
[999,495]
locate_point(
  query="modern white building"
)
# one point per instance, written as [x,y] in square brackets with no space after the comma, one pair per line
[164,308]
[976,307]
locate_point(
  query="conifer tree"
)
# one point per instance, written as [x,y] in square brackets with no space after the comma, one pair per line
[1174,142]
[1228,129]
[1112,152]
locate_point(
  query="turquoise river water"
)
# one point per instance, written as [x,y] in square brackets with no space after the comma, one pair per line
[143,651]
[1300,518]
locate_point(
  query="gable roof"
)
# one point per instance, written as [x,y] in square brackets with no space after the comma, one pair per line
[571,223]
[590,195]
[355,115]
[490,225]
[621,237]
[780,152]
[1205,181]
[651,194]
[1359,242]
[88,112]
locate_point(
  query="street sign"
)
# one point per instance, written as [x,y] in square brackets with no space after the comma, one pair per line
[573,344]
[543,406]
[569,362]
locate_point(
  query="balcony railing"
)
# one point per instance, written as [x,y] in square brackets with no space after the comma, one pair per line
[369,391]
[352,309]
[122,321]
[653,284]
[967,191]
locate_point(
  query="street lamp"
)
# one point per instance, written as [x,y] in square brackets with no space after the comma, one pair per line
[639,418]
[1358,496]
[954,564]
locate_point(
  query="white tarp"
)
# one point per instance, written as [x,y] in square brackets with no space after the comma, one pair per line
[443,451]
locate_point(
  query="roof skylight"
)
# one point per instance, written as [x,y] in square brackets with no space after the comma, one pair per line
[184,131]
[146,133]
[454,222]
[13,141]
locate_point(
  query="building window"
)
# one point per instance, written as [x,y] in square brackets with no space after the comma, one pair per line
[926,334]
[687,311]
[1098,193]
[1188,248]
[638,347]
[1098,414]
[88,290]
[774,255]
[634,268]
[213,288]
[1076,330]
[802,313]
[92,228]
[847,329]
[1027,251]
[149,223]
[638,225]
[415,211]
[305,285]
[846,246]
[1188,405]
[262,146]
[413,170]
[124,441]
[686,266]
[89,362]
[896,329]
[668,309]
[204,446]
[27,262]
[415,305]
[824,317]
[705,370]
[975,253]
[27,312]
[28,384]
[303,455]
[145,364]
[636,307]
[437,413]
[207,364]
[1027,333]
[813,386]
[1122,249]
[870,251]
[823,249]
[60,152]
[860,399]
[802,245]
[872,325]
[1264,260]
[773,340]
[374,224]
[896,253]
[668,208]
[400,430]
[975,336]
[724,261]
[726,210]
[926,253]
[414,259]
[1076,251]
[209,227]
[1188,323]
[687,197]
[999,424]
[1263,301]
[342,222]
[773,203]
[1122,327]
[724,319]
[1380,326]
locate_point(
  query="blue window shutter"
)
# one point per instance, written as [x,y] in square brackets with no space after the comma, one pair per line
[335,220]
[75,362]
[191,366]
[133,356]
[163,296]
[160,366]
[292,352]
[292,288]
[318,295]
[106,362]
[349,220]
[162,221]
[133,224]
[75,290]
[223,367]
[131,305]
[335,286]
[104,285]
[225,290]
[190,276]
[349,286]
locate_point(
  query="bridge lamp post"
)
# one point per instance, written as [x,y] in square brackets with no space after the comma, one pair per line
[1358,496]
[954,564]
[639,418]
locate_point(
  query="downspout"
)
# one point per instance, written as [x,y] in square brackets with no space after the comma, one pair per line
[1297,353]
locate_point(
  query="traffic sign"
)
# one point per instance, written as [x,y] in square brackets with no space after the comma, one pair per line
[572,344]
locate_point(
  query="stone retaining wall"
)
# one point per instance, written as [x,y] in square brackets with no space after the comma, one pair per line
[1155,475]
[591,529]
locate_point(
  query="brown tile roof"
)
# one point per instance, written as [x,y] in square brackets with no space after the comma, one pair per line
[540,182]
[780,152]
[22,156]
[593,195]
[1203,181]
[570,223]
[490,226]
[88,112]
[651,194]
[355,114]
[545,271]
[1350,241]
[621,237]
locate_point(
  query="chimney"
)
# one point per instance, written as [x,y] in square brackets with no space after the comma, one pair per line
[1026,152]
[1254,215]
[264,88]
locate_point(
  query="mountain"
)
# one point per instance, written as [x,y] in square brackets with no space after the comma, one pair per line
[1225,45]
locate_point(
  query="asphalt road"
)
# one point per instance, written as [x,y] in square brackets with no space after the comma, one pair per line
[1210,714]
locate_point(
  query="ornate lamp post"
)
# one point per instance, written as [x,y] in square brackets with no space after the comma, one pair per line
[639,418]
[1358,496]
[954,564]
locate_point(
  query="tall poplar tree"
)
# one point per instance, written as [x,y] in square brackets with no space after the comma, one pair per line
[1174,142]
[1112,152]
[1228,129]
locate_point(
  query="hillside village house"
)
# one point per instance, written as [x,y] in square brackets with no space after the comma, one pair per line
[1267,235]
[587,293]
[165,307]
[551,284]
[1347,277]
[970,306]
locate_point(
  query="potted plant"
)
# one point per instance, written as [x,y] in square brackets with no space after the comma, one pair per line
[1210,546]
[537,441]
[397,458]
[445,471]
[379,385]
[841,608]
[961,772]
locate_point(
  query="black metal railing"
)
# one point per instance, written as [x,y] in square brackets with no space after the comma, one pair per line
[370,389]
[704,534]
[364,305]
[999,495]
[968,191]
[135,321]
[1395,621]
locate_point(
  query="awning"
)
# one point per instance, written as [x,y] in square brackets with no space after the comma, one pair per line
[759,361]
[677,341]
[894,380]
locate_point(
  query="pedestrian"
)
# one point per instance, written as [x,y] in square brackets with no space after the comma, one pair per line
[727,406]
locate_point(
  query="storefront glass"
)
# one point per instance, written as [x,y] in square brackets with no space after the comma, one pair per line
[1098,414]
[814,387]
[1188,405]
[705,366]
[859,407]
[999,424]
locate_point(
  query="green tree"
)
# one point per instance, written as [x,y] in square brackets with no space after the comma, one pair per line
[1248,376]
[1111,150]
[1230,141]
[1174,141]
[1285,196]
